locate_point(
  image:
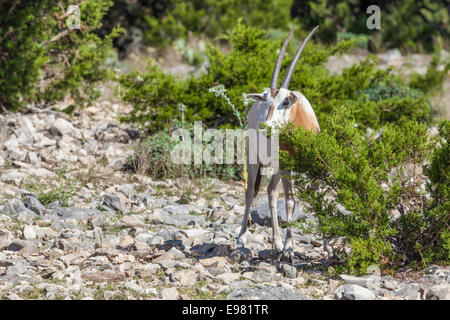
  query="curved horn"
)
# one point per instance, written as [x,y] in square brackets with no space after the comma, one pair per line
[276,70]
[290,72]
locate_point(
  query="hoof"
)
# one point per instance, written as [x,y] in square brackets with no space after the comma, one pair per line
[240,243]
[277,245]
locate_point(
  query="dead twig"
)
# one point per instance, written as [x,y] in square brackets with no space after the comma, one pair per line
[57,37]
[66,60]
[6,35]
[14,5]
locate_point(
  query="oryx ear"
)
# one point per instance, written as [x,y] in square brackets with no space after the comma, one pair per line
[256,96]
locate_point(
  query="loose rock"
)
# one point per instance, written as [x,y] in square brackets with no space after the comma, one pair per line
[170,294]
[356,292]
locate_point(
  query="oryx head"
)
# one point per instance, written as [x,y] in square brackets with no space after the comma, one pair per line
[282,104]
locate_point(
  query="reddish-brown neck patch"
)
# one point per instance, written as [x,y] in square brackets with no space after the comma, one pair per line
[301,118]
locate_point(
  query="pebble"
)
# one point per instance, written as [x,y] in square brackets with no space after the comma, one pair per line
[29,233]
[356,292]
[169,294]
[5,238]
[241,254]
[289,271]
[438,292]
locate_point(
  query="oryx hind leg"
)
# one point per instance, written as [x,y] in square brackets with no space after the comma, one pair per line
[288,242]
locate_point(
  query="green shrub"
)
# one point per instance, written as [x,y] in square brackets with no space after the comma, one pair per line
[409,24]
[153,157]
[354,183]
[433,242]
[154,94]
[376,96]
[434,77]
[62,190]
[41,60]
[213,17]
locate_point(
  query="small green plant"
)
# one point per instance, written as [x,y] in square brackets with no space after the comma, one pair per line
[186,197]
[428,230]
[193,56]
[220,92]
[33,294]
[153,157]
[61,190]
[200,292]
[101,208]
[362,40]
[433,78]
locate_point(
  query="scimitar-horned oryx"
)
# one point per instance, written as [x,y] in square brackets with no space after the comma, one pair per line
[273,107]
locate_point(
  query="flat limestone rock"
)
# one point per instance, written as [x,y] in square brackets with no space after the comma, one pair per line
[74,213]
[181,215]
[265,293]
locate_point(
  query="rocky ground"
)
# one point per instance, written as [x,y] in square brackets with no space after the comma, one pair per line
[102,232]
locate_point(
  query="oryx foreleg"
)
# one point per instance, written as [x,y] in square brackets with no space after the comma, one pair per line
[273,198]
[252,173]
